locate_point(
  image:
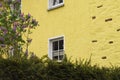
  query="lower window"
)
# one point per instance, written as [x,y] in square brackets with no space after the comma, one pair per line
[56,48]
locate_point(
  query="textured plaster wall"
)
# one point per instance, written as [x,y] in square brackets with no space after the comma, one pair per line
[90,27]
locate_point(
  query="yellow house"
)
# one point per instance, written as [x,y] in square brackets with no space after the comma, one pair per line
[78,28]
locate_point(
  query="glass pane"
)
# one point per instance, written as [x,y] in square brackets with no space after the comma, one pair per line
[55,45]
[55,53]
[60,1]
[55,2]
[61,52]
[61,44]
[55,57]
[61,57]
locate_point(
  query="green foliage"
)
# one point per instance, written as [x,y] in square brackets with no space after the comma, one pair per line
[20,69]
[46,69]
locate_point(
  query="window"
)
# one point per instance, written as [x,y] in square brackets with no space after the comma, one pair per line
[56,48]
[55,4]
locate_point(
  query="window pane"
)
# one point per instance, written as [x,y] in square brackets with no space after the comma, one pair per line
[61,54]
[60,1]
[55,2]
[55,57]
[61,44]
[55,53]
[61,57]
[55,45]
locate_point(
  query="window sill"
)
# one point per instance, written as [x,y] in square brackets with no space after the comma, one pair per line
[56,6]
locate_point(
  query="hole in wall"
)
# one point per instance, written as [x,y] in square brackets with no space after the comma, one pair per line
[94,41]
[99,6]
[118,29]
[110,42]
[104,57]
[93,17]
[109,19]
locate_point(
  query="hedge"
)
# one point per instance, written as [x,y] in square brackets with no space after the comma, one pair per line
[45,69]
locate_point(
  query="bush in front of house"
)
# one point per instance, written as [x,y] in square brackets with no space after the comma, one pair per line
[21,69]
[44,69]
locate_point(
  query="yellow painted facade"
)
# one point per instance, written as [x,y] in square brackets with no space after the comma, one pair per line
[90,27]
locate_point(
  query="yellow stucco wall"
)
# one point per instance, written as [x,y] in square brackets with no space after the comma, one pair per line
[89,27]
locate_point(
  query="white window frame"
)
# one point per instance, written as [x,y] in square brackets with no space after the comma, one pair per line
[50,7]
[50,41]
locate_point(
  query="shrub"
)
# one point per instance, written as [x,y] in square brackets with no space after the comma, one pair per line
[45,69]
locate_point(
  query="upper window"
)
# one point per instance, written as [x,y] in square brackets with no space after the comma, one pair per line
[56,48]
[55,4]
